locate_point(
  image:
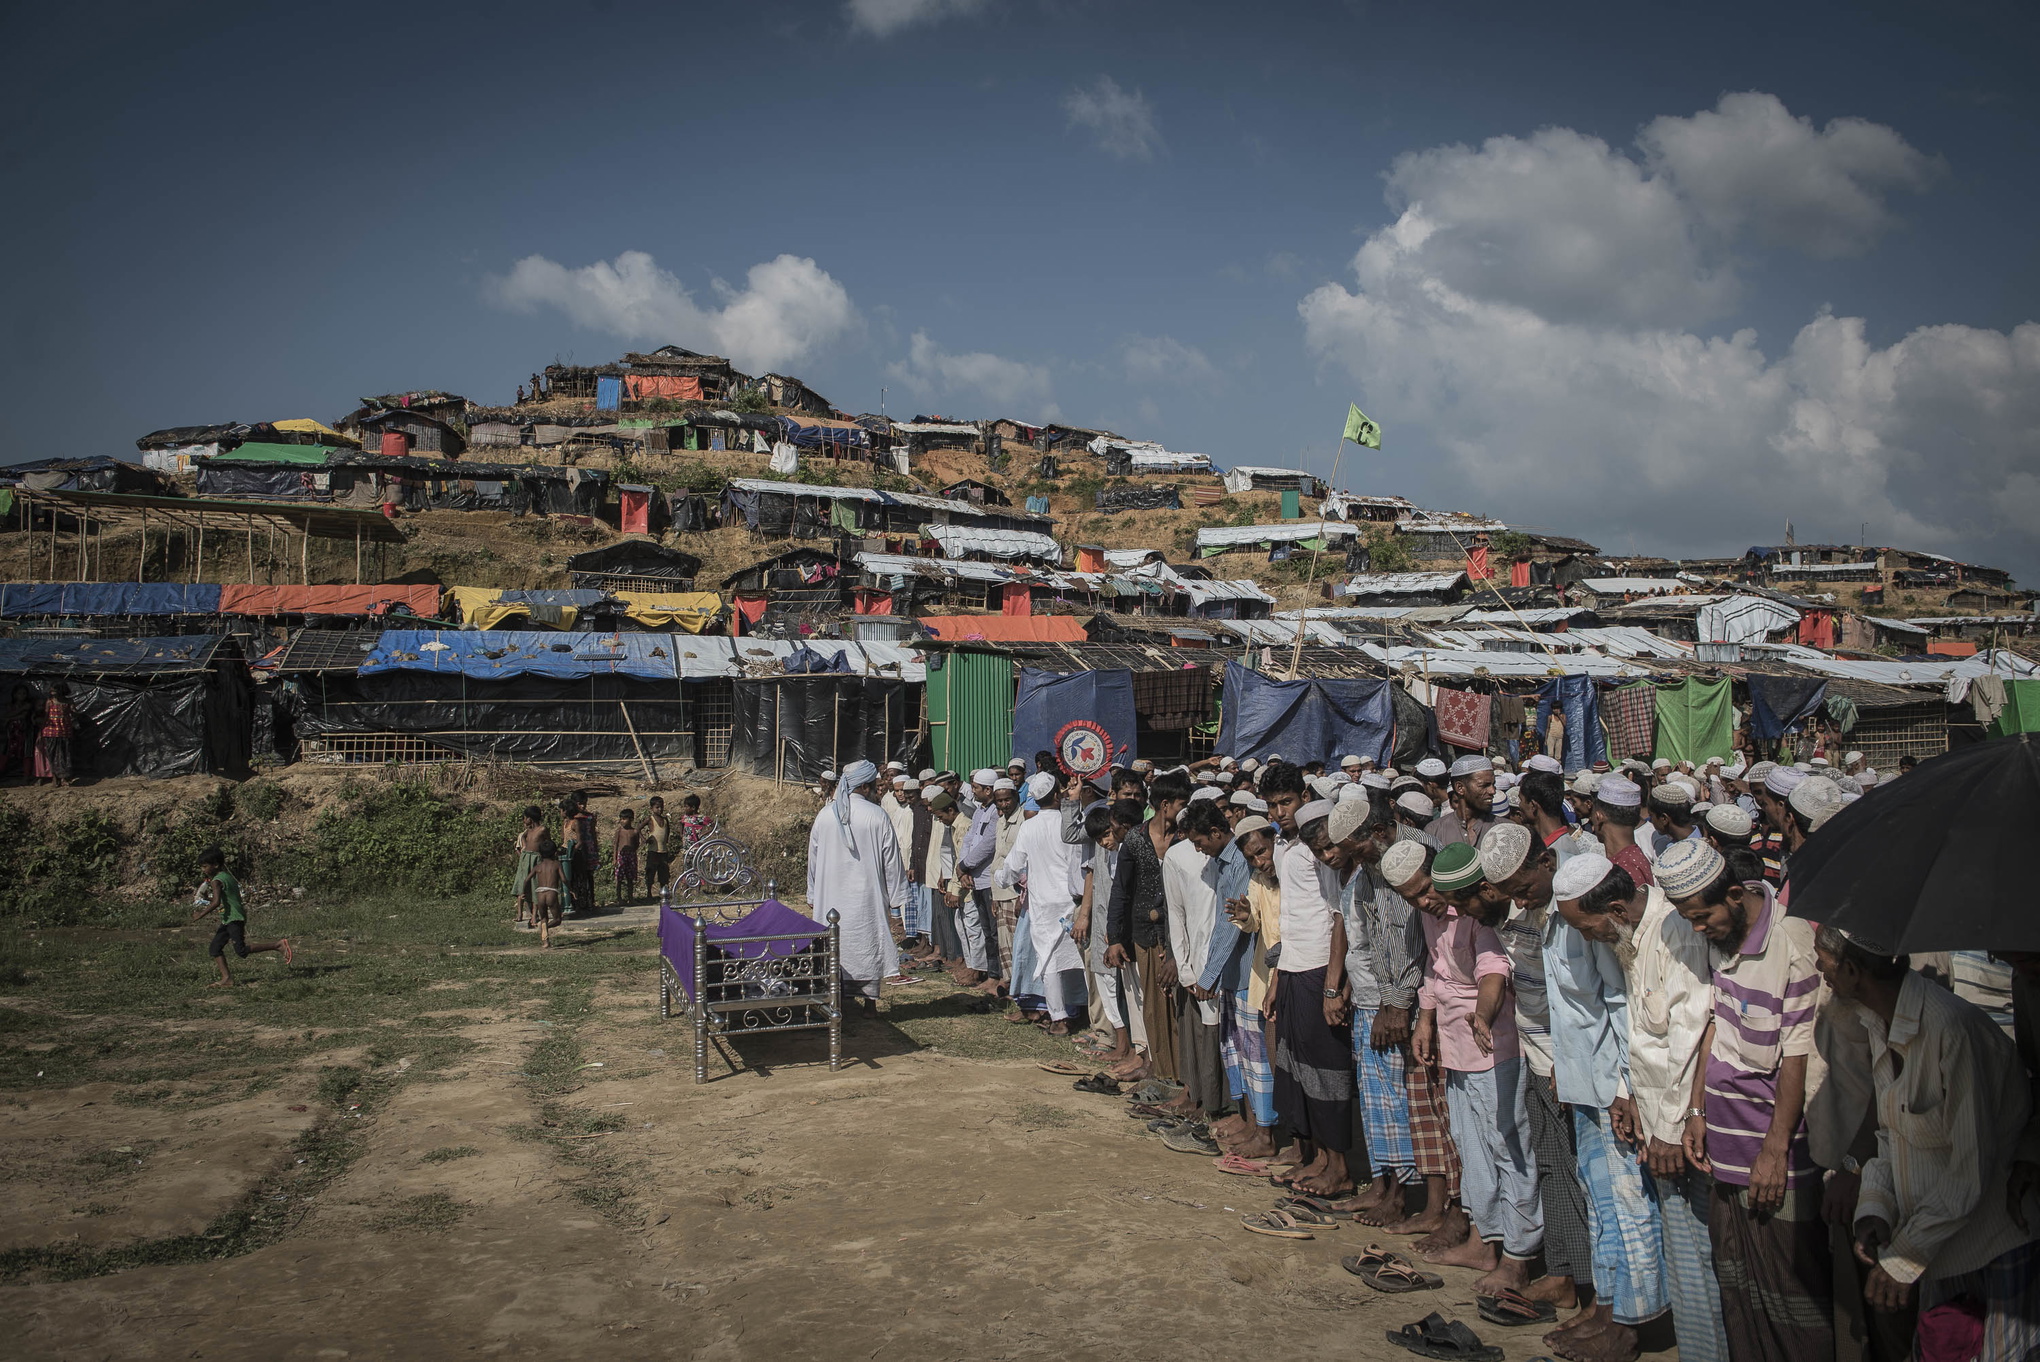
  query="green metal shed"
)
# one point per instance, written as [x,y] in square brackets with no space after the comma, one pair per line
[970,709]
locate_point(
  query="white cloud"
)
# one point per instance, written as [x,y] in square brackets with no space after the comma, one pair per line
[789,308]
[1122,120]
[1749,165]
[1616,418]
[1160,358]
[883,18]
[929,370]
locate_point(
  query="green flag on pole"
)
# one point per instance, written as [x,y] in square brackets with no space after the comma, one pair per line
[1360,430]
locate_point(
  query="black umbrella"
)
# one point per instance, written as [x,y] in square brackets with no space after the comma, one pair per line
[1942,859]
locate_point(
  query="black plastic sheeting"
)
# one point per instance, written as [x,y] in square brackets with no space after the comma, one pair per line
[584,723]
[1113,499]
[800,726]
[262,481]
[185,724]
[1416,730]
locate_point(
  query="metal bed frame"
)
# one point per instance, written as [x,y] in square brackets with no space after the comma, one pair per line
[798,990]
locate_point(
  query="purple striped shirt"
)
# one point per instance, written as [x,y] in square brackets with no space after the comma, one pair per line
[1765,998]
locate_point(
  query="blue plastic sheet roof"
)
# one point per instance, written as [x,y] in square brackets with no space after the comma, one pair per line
[107,656]
[108,598]
[497,654]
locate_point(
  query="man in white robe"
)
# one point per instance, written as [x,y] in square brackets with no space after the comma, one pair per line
[855,870]
[1054,871]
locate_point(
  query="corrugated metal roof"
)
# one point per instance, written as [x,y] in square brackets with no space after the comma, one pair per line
[901,565]
[1214,535]
[1904,626]
[1279,631]
[1553,614]
[1201,591]
[957,540]
[1129,558]
[1449,662]
[1435,614]
[962,508]
[1615,586]
[803,489]
[1399,583]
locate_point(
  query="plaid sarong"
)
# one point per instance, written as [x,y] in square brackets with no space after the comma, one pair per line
[1777,1276]
[1630,716]
[1430,1128]
[1384,1103]
[1007,911]
[2008,1290]
[1568,1248]
[1249,1078]
[1622,1217]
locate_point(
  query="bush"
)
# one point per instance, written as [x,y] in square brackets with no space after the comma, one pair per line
[405,837]
[55,869]
[262,799]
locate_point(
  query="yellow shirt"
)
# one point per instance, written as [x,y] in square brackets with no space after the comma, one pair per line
[1264,913]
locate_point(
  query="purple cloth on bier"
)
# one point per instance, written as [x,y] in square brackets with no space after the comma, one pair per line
[770,918]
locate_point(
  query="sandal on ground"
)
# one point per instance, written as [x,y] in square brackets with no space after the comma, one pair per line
[1401,1278]
[1276,1225]
[1063,1067]
[1156,1090]
[1310,1215]
[1148,1111]
[1186,1139]
[1241,1166]
[1372,1257]
[1098,1083]
[1514,1308]
[1436,1336]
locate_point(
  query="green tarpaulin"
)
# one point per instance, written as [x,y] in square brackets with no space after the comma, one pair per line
[257,451]
[1695,721]
[2021,713]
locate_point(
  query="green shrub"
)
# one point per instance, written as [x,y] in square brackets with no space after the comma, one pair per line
[262,799]
[406,837]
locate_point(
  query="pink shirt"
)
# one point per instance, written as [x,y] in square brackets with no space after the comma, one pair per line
[1462,953]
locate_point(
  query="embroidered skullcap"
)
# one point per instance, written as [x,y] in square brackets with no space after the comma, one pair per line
[1354,793]
[1619,792]
[1205,792]
[1346,819]
[1456,868]
[1401,783]
[1253,822]
[1848,784]
[1503,849]
[1586,782]
[1867,777]
[1672,792]
[1540,762]
[1467,766]
[1431,768]
[1311,812]
[1762,769]
[1374,780]
[1733,772]
[1702,807]
[1661,764]
[1003,784]
[928,775]
[1783,780]
[1040,785]
[1579,875]
[1402,863]
[1853,756]
[1687,867]
[1258,805]
[1244,800]
[1349,760]
[1322,788]
[1714,761]
[1418,804]
[1730,820]
[1816,800]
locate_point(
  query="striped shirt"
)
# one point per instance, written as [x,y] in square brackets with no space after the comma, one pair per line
[1765,999]
[1522,934]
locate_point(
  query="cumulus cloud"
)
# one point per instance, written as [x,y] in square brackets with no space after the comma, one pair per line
[1619,416]
[1122,120]
[883,18]
[789,307]
[929,370]
[1164,358]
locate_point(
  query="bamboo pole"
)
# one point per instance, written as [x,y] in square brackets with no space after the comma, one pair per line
[142,559]
[249,521]
[198,558]
[357,553]
[305,559]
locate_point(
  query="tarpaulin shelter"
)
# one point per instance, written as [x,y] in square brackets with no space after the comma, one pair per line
[637,506]
[1044,701]
[98,473]
[175,706]
[103,599]
[633,565]
[485,607]
[1695,720]
[1778,703]
[421,600]
[1007,628]
[1301,719]
[796,726]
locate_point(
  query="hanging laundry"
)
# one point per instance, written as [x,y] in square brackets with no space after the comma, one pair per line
[1519,573]
[1463,718]
[1580,711]
[1477,565]
[1630,715]
[785,459]
[1695,721]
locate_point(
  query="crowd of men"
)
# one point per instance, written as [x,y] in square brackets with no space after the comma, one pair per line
[1560,1031]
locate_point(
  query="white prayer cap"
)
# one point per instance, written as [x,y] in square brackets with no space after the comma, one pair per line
[1762,769]
[1003,784]
[1702,807]
[984,775]
[928,774]
[1311,812]
[1143,765]
[1322,788]
[1579,875]
[1225,763]
[895,766]
[1505,780]
[1734,772]
[1431,768]
[1418,804]
[1040,785]
[1816,800]
[1348,760]
[1714,761]
[1249,764]
[1504,801]
[1730,820]
[828,775]
[1353,793]
[1661,764]
[1867,777]
[1375,780]
[1540,762]
[1586,782]
[1346,819]
[1850,785]
[1245,800]
[1619,792]
[1497,762]
[1803,767]
[1258,805]
[1503,849]
[1673,791]
[1687,867]
[1783,780]
[1853,757]
[1818,761]
[1390,772]
[1467,766]
[1207,792]
[1251,823]
[1016,762]
[1401,863]
[1367,761]
[928,792]
[908,783]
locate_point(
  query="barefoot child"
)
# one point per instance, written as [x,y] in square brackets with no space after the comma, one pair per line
[695,826]
[221,892]
[658,831]
[548,882]
[527,861]
[625,847]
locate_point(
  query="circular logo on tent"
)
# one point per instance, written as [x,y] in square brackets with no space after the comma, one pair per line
[1083,747]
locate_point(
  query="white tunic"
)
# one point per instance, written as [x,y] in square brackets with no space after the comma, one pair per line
[1054,870]
[1193,913]
[859,883]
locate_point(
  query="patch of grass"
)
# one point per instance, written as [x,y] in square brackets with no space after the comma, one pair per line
[424,1214]
[448,1153]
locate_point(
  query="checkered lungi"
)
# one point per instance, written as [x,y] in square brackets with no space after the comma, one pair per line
[1568,1247]
[1007,912]
[1431,1145]
[2008,1289]
[1690,1278]
[1622,1217]
[1249,1078]
[1384,1103]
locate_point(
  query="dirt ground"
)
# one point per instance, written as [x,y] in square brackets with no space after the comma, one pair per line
[530,1177]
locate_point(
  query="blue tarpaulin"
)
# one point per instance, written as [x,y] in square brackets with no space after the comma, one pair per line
[608,394]
[1778,703]
[107,656]
[1044,701]
[1305,720]
[1574,696]
[108,598]
[494,655]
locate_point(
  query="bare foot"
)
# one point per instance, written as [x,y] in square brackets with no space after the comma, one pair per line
[1260,1147]
[1560,1291]
[1425,1221]
[1588,1321]
[1325,1184]
[283,945]
[1452,1232]
[1510,1274]
[1474,1252]
[1058,1028]
[1614,1343]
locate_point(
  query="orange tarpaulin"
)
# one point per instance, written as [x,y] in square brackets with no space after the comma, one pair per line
[1016,598]
[1817,629]
[634,510]
[672,387]
[1007,628]
[1476,565]
[1519,574]
[1090,559]
[373,599]
[865,601]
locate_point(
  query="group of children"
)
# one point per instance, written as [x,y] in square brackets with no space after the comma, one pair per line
[556,877]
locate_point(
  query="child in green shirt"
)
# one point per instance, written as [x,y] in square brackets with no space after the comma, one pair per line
[220,892]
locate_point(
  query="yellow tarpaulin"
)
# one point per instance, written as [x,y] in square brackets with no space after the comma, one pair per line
[687,611]
[480,607]
[323,431]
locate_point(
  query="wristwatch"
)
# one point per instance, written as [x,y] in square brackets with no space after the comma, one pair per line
[1851,1164]
[1331,993]
[1691,1112]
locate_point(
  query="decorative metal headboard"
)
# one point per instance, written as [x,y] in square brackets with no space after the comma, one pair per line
[714,879]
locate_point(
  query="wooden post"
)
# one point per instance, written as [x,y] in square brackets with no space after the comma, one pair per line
[357,553]
[305,558]
[198,558]
[142,558]
[250,521]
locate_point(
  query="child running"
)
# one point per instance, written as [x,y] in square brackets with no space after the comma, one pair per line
[625,852]
[219,891]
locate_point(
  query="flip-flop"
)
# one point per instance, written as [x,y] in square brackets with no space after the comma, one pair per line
[1147,1111]
[1097,1083]
[1436,1336]
[1276,1225]
[1399,1279]
[1243,1167]
[1371,1257]
[1310,1215]
[1063,1067]
[1185,1139]
[1513,1308]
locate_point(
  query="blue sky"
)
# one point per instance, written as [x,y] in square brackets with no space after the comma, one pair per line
[1660,280]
